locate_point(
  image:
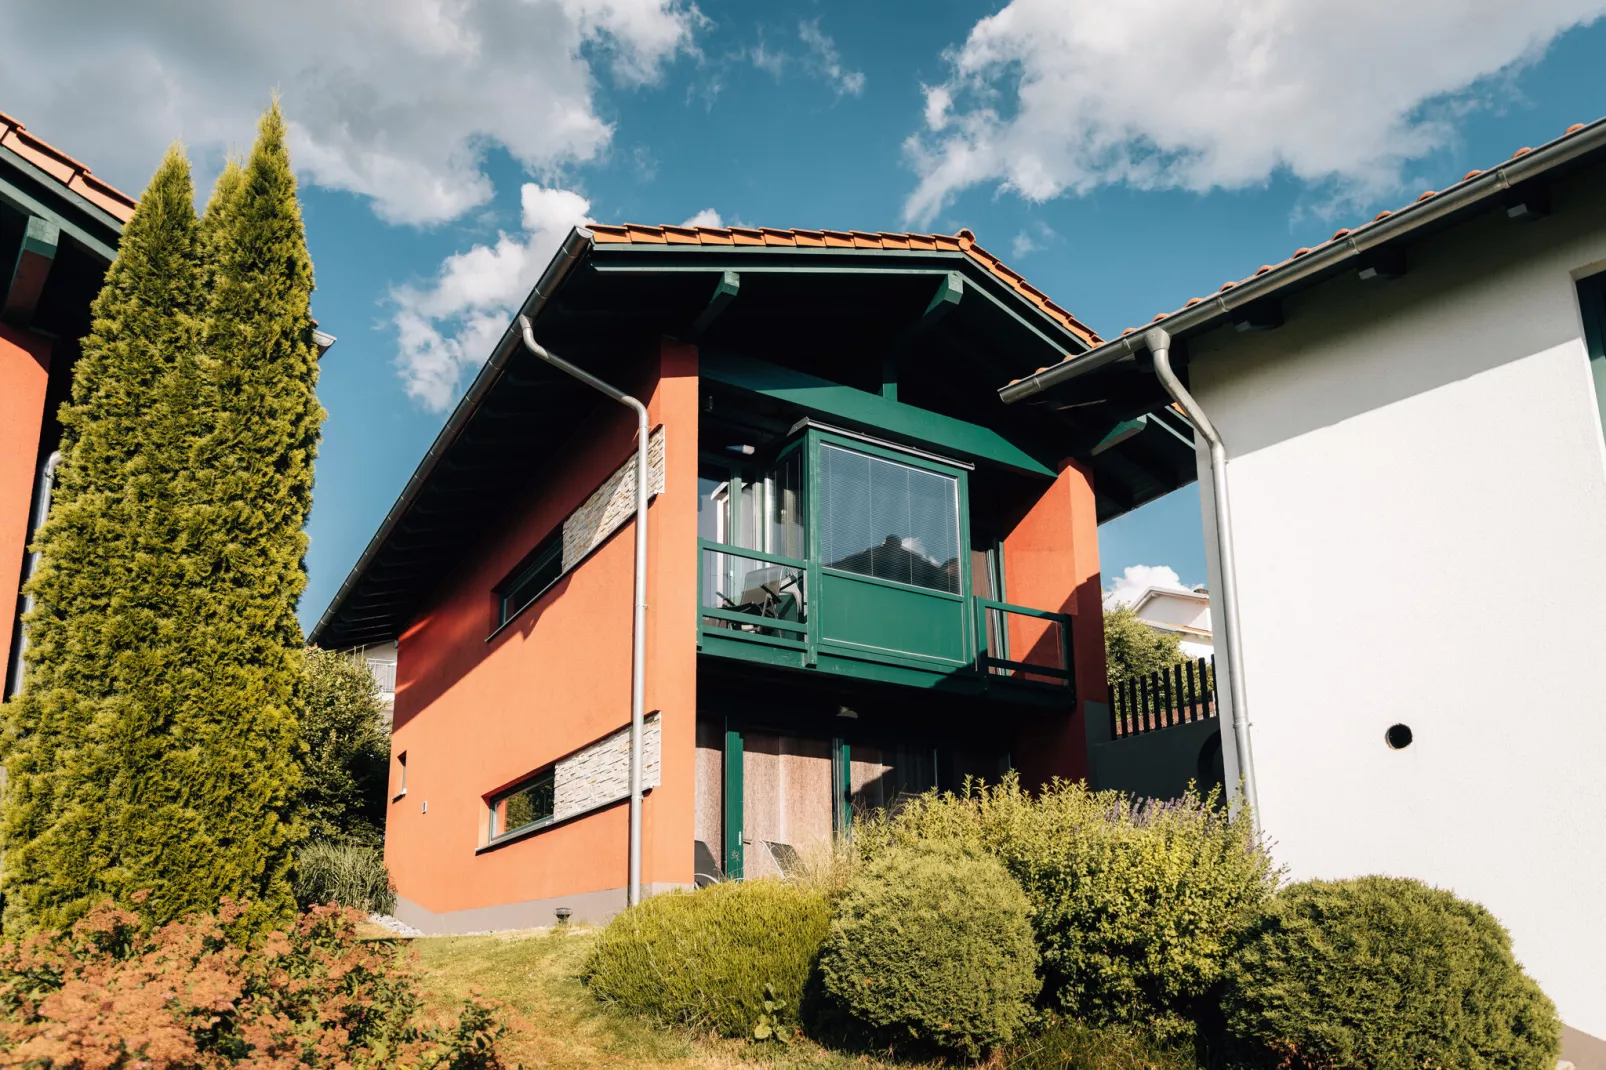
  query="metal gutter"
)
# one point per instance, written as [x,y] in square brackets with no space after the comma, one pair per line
[575,246]
[1324,259]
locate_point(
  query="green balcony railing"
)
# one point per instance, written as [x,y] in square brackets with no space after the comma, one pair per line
[750,594]
[1027,645]
[769,600]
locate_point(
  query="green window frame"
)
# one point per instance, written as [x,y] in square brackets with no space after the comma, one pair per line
[535,575]
[525,806]
[957,646]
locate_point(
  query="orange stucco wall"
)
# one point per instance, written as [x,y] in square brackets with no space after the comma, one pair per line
[24,375]
[1051,561]
[472,715]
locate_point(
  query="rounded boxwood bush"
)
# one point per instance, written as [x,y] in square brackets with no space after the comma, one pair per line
[1388,974]
[931,948]
[706,958]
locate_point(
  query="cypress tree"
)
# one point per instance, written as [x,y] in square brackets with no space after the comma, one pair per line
[92,614]
[154,753]
[224,788]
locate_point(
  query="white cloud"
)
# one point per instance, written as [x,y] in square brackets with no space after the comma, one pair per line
[1139,578]
[824,59]
[449,326]
[395,100]
[819,58]
[1033,239]
[1048,96]
[708,217]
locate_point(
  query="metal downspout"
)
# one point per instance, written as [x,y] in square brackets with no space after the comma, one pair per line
[638,638]
[41,506]
[1158,342]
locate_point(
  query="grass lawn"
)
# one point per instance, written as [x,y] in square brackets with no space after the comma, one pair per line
[556,1022]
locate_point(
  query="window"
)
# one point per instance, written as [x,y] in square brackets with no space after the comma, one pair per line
[888,520]
[530,580]
[401,776]
[522,806]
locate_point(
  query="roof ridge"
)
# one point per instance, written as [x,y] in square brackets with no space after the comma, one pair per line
[65,170]
[963,242]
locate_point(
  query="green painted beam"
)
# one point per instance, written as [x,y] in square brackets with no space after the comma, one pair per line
[730,284]
[863,411]
[24,201]
[28,276]
[1119,434]
[950,290]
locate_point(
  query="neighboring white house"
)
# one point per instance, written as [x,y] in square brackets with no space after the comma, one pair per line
[381,661]
[1183,612]
[1412,411]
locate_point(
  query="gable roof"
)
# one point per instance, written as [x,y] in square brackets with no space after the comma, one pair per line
[1515,182]
[611,290]
[65,170]
[962,242]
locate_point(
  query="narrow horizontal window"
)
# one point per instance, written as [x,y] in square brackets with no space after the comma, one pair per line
[523,805]
[527,583]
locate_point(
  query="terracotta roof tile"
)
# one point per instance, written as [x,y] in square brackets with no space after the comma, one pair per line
[1337,236]
[964,241]
[64,169]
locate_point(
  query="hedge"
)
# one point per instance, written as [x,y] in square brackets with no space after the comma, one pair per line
[1137,907]
[706,958]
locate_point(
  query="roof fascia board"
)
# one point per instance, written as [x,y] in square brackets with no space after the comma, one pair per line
[865,411]
[1466,198]
[574,247]
[932,262]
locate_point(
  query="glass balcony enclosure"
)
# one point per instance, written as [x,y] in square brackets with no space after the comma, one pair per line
[852,555]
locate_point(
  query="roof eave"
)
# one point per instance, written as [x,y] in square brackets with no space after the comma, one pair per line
[1217,309]
[975,271]
[575,246]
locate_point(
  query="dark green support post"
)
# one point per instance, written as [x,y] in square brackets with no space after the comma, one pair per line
[733,804]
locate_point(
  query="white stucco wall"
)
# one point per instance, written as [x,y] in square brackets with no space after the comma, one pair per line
[1430,449]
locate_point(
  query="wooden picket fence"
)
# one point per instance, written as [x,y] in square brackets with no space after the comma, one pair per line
[1181,694]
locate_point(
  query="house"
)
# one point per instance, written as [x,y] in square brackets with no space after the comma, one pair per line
[864,575]
[59,228]
[1180,611]
[1412,411]
[380,660]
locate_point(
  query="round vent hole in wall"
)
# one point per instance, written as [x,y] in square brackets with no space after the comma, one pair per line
[1398,736]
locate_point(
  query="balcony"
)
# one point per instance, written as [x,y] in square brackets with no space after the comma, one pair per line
[793,612]
[844,554]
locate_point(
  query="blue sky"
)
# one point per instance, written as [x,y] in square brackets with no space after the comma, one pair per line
[1122,158]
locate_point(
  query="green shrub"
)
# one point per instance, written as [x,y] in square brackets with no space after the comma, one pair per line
[113,991]
[345,873]
[346,759]
[931,950]
[1388,974]
[1063,1044]
[705,958]
[1136,907]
